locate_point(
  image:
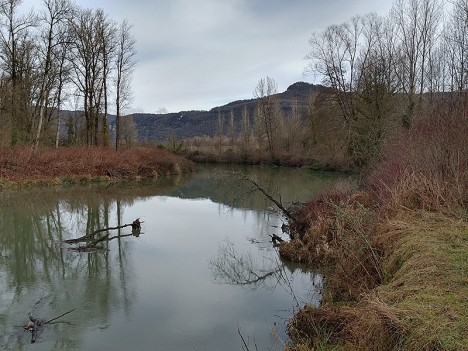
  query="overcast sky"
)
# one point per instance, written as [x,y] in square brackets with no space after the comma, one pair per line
[198,54]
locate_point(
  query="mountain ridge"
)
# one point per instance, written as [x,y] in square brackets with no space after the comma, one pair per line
[192,123]
[157,127]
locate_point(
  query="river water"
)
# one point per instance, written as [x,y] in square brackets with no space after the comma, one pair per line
[202,273]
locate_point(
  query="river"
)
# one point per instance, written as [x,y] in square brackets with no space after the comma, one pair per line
[201,274]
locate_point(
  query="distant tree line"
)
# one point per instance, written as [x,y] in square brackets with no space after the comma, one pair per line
[62,53]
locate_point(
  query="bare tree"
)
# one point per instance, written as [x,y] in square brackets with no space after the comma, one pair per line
[125,63]
[267,113]
[245,127]
[63,77]
[232,129]
[375,90]
[41,55]
[107,30]
[56,13]
[334,56]
[454,48]
[128,131]
[220,131]
[294,131]
[86,65]
[341,55]
[417,23]
[17,46]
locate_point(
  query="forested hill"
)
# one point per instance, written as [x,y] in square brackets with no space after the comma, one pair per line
[186,124]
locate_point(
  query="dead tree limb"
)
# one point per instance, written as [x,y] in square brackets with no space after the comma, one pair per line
[278,204]
[33,326]
[35,323]
[276,239]
[63,314]
[136,225]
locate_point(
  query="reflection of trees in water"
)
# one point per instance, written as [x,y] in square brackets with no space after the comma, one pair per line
[268,272]
[33,263]
[288,184]
[233,268]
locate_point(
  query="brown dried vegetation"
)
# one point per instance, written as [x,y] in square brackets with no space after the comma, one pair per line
[395,256]
[85,164]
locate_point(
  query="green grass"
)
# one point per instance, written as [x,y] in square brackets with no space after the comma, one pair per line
[431,285]
[421,305]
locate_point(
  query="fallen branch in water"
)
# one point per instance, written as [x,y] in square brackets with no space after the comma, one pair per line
[278,203]
[136,225]
[275,239]
[92,246]
[240,186]
[35,323]
[63,314]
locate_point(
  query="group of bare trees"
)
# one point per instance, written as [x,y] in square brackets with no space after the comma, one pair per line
[382,73]
[265,128]
[60,53]
[380,67]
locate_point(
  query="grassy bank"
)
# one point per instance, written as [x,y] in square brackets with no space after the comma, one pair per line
[404,287]
[395,254]
[47,166]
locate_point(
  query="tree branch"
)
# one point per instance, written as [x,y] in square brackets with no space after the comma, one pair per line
[136,224]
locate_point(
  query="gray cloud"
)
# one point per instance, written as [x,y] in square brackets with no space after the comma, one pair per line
[197,54]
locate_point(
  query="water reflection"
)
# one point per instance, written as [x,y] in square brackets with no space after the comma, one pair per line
[160,282]
[234,268]
[33,264]
[291,185]
[267,271]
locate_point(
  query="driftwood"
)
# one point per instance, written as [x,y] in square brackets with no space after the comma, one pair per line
[276,239]
[35,323]
[278,203]
[91,240]
[136,225]
[33,326]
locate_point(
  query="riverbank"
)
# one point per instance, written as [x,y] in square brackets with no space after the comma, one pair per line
[395,254]
[82,165]
[399,286]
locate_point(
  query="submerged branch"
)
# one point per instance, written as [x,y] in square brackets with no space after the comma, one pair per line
[63,314]
[278,203]
[136,225]
[245,347]
[35,323]
[240,186]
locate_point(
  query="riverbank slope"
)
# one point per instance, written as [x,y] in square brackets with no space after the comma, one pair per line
[395,254]
[402,286]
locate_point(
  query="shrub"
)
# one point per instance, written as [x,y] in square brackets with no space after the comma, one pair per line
[336,230]
[427,166]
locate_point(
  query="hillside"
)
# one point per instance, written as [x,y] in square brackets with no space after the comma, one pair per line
[187,124]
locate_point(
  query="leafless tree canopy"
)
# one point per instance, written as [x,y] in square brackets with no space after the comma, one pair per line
[61,53]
